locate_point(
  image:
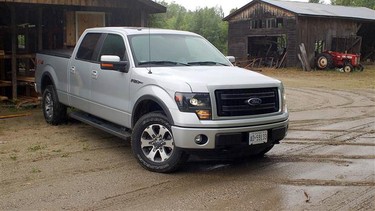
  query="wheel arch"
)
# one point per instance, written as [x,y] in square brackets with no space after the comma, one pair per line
[46,80]
[147,104]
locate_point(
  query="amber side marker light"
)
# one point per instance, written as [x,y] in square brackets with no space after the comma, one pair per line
[203,114]
[106,65]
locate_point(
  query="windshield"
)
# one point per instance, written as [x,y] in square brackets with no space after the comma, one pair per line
[157,50]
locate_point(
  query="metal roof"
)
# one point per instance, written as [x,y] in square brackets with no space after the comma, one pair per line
[314,9]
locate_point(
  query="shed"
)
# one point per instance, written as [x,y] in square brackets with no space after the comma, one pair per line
[29,26]
[273,30]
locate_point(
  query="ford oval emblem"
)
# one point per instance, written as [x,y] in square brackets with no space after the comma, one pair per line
[254,101]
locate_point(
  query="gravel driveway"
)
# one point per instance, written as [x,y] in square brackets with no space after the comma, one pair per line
[327,162]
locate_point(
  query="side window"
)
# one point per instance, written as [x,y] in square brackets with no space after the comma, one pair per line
[88,44]
[113,45]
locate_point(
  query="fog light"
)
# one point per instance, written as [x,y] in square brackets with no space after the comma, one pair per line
[201,139]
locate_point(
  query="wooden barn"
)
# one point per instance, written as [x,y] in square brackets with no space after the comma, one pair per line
[270,32]
[29,26]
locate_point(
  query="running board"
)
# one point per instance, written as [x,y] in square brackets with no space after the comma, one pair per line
[102,124]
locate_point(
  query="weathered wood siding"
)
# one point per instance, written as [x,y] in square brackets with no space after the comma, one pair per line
[312,29]
[28,26]
[298,29]
[240,30]
[86,3]
[261,10]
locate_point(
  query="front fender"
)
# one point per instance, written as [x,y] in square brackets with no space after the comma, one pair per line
[155,93]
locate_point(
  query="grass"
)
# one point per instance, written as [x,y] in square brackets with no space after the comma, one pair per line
[36,148]
[85,147]
[35,170]
[331,79]
[13,157]
[65,155]
[7,108]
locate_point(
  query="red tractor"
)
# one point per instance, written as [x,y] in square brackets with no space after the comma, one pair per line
[332,59]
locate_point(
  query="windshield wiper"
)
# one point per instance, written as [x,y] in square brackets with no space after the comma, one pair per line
[163,63]
[207,63]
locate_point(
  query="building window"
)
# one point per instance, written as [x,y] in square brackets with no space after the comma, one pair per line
[279,23]
[21,41]
[271,23]
[264,23]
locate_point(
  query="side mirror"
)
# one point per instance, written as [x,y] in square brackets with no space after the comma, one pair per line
[113,62]
[232,59]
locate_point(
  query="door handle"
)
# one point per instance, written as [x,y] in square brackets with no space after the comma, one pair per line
[73,69]
[94,74]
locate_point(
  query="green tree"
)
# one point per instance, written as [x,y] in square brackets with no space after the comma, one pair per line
[233,10]
[316,1]
[208,23]
[174,18]
[356,3]
[204,21]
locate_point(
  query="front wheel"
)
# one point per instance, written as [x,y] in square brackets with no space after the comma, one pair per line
[348,68]
[153,144]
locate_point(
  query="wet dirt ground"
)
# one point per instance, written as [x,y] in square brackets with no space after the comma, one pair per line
[327,162]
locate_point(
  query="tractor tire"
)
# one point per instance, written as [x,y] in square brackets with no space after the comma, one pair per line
[324,61]
[360,68]
[348,68]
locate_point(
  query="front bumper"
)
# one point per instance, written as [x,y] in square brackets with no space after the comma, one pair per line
[218,137]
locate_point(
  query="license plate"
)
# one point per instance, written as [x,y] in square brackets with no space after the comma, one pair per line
[259,137]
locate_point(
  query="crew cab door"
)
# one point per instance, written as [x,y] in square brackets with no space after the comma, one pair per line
[110,88]
[79,71]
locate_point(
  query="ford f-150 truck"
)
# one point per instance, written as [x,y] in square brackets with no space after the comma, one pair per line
[172,92]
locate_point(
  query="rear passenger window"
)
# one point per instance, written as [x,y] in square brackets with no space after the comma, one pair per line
[113,45]
[88,45]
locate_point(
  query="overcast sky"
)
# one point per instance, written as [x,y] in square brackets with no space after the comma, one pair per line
[227,5]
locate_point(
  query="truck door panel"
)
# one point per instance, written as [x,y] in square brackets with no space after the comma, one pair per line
[110,88]
[79,71]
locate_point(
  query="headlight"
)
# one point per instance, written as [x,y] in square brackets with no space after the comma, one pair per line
[198,103]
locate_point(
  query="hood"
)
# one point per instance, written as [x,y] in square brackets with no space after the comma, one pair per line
[204,78]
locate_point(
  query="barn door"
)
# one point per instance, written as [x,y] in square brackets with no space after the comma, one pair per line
[350,44]
[77,22]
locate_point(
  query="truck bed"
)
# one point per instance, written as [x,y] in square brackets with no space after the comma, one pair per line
[65,53]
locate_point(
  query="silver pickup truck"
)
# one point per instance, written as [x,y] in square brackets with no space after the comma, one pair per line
[172,92]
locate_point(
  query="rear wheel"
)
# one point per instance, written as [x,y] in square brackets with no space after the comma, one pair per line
[348,68]
[360,68]
[153,144]
[54,112]
[324,61]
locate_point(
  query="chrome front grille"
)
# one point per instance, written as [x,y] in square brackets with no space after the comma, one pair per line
[243,102]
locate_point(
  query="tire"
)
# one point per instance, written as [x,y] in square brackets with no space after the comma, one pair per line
[54,112]
[153,144]
[324,61]
[348,68]
[360,68]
